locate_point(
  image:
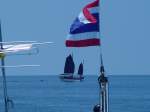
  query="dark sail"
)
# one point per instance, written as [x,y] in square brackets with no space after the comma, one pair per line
[69,65]
[80,70]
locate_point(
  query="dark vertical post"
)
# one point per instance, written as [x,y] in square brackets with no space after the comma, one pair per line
[3,73]
[103,83]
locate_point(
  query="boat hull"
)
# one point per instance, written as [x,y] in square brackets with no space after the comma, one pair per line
[71,77]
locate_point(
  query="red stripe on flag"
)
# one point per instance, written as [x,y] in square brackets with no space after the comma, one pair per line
[83,43]
[87,13]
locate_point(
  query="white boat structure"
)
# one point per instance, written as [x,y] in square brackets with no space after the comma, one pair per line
[12,48]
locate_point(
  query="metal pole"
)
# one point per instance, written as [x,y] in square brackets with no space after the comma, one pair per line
[3,74]
[103,83]
[103,80]
[4,85]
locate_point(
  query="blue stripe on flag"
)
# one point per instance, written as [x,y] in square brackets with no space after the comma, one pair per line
[79,27]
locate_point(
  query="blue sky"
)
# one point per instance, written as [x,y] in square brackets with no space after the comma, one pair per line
[124,28]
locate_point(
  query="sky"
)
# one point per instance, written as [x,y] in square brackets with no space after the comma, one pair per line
[124,26]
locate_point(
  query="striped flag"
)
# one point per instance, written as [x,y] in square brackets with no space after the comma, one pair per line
[85,29]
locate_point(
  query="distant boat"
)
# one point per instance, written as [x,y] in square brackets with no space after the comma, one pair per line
[69,70]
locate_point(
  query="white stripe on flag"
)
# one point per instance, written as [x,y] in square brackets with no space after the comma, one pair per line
[82,36]
[83,19]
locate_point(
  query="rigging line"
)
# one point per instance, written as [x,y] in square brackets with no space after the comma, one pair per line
[99,34]
[15,66]
[40,43]
[14,42]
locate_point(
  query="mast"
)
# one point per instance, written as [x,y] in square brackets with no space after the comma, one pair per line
[103,105]
[3,74]
[103,83]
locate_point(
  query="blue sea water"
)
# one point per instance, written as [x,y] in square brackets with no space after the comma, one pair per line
[50,94]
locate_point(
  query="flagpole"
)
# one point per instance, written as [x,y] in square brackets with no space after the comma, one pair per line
[85,18]
[103,105]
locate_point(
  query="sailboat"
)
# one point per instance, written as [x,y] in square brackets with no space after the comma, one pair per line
[69,70]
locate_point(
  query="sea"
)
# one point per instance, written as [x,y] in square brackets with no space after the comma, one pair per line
[127,93]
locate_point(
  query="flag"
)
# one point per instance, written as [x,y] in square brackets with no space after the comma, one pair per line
[85,29]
